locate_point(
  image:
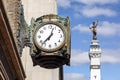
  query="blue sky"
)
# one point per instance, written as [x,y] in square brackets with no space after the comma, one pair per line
[82,13]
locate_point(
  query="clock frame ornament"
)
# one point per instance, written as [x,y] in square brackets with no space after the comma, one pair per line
[50,41]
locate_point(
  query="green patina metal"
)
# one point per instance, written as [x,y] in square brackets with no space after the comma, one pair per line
[27,32]
[22,30]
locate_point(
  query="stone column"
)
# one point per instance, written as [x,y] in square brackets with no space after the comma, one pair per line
[95,55]
[35,9]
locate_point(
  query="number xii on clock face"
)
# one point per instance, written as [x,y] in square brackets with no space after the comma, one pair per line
[49,37]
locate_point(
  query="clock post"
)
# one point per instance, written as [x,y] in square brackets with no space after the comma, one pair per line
[49,38]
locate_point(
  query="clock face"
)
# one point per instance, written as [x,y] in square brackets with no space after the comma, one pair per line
[49,37]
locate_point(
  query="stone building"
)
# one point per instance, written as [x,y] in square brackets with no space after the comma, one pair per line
[10,63]
[15,62]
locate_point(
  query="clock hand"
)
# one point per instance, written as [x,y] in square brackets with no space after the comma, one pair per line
[45,40]
[51,34]
[48,38]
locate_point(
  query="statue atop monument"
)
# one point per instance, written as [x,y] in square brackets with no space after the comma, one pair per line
[94,29]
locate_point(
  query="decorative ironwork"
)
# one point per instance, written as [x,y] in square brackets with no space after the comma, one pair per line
[45,59]
[23,30]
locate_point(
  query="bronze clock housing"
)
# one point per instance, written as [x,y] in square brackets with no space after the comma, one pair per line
[50,41]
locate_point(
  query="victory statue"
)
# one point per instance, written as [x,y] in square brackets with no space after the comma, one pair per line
[94,30]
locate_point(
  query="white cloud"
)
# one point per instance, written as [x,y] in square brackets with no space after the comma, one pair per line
[67,3]
[109,29]
[95,11]
[89,11]
[100,2]
[107,56]
[81,28]
[76,15]
[111,56]
[78,57]
[75,76]
[64,3]
[105,28]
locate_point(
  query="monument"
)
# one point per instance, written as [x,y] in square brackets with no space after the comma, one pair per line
[95,55]
[94,30]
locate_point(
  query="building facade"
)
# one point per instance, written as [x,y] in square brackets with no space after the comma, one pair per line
[36,9]
[15,60]
[10,63]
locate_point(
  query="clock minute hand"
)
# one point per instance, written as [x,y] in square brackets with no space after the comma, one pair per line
[48,38]
[51,34]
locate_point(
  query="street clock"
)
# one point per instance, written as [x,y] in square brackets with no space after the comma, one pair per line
[49,37]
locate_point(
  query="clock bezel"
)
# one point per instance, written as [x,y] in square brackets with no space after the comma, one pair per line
[54,49]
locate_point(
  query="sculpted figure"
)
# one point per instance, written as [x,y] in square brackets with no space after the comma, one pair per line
[94,30]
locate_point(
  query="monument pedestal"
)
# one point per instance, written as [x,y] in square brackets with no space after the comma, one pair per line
[95,55]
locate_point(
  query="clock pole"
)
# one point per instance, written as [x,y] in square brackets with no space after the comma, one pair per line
[95,55]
